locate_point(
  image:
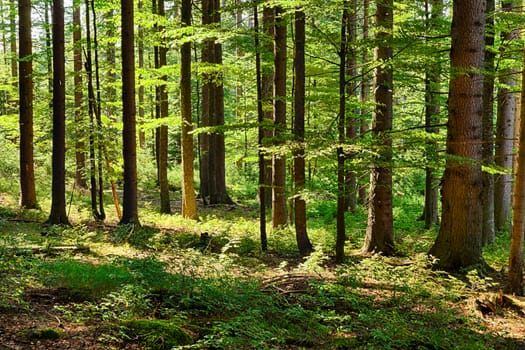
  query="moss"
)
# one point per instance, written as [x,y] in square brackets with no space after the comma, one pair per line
[43,333]
[156,334]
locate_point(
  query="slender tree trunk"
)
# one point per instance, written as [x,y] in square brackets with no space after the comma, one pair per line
[80,154]
[130,212]
[260,137]
[140,49]
[504,137]
[341,157]
[488,128]
[380,229]
[58,185]
[303,242]
[189,203]
[27,175]
[279,217]
[518,224]
[458,243]
[365,89]
[12,37]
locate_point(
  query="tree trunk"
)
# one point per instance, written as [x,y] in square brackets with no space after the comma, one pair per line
[189,204]
[488,128]
[380,229]
[303,242]
[518,224]
[58,185]
[27,174]
[279,218]
[130,212]
[80,154]
[140,49]
[504,137]
[458,243]
[365,90]
[341,157]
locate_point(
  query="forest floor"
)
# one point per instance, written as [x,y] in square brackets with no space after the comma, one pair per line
[174,284]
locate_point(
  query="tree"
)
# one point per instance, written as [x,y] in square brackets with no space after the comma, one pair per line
[380,229]
[488,127]
[303,242]
[58,185]
[504,134]
[279,218]
[27,173]
[129,148]
[189,204]
[518,222]
[213,167]
[365,88]
[458,243]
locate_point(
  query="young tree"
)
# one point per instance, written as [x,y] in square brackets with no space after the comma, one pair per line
[129,149]
[458,243]
[189,204]
[365,89]
[303,242]
[380,229]
[58,185]
[27,174]
[279,217]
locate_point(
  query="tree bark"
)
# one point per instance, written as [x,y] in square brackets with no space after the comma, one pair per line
[458,243]
[279,218]
[301,234]
[488,128]
[380,229]
[504,137]
[189,204]
[27,173]
[130,212]
[365,91]
[58,184]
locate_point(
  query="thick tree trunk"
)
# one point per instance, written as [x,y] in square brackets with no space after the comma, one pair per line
[380,229]
[303,242]
[459,240]
[27,175]
[130,212]
[58,185]
[189,204]
[518,224]
[488,128]
[504,138]
[279,218]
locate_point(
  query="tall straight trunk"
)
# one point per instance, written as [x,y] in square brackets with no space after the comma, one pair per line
[80,154]
[301,235]
[58,184]
[27,174]
[504,137]
[380,229]
[267,77]
[12,37]
[260,134]
[189,203]
[163,129]
[365,91]
[432,109]
[341,157]
[142,90]
[279,217]
[129,148]
[49,48]
[488,128]
[518,223]
[458,243]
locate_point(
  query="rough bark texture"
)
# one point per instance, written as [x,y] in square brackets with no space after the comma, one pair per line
[279,217]
[518,223]
[459,240]
[130,212]
[189,204]
[301,235]
[504,137]
[380,229]
[488,128]
[58,215]
[27,175]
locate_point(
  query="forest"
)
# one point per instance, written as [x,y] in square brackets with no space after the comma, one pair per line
[262,174]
